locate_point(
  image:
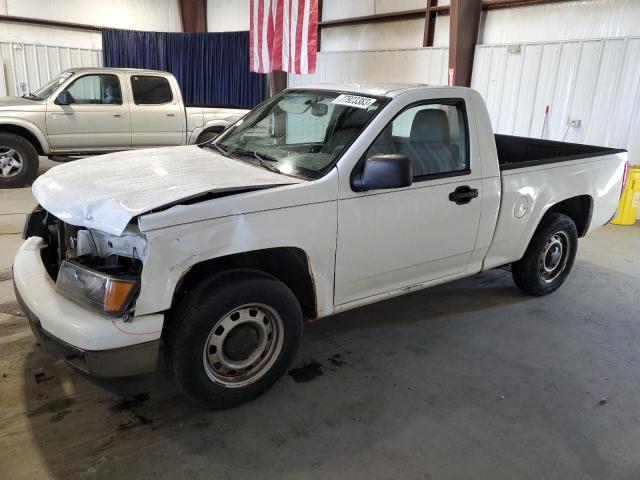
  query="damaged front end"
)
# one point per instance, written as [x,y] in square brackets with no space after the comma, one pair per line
[92,268]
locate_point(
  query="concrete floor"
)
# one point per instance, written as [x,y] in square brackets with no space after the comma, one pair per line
[466,380]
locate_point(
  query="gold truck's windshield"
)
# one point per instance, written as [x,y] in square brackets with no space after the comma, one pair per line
[300,133]
[48,88]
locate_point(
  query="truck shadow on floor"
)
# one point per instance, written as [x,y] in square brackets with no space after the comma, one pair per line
[346,381]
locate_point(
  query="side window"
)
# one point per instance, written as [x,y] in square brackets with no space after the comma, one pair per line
[148,90]
[433,136]
[96,90]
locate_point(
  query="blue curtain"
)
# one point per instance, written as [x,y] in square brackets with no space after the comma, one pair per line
[211,68]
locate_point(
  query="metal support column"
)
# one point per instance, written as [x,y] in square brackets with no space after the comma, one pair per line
[463,36]
[194,15]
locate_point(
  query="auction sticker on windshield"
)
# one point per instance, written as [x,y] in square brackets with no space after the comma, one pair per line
[354,101]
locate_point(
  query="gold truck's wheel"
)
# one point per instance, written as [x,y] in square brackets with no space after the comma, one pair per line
[18,161]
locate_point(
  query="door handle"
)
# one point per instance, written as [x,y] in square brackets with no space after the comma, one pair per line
[464,194]
[171,114]
[118,115]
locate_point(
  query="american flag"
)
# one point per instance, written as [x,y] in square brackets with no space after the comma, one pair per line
[283,35]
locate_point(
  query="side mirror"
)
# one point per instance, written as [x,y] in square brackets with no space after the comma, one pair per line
[64,98]
[383,171]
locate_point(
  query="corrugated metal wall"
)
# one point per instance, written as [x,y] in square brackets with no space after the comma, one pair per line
[25,67]
[591,88]
[559,21]
[418,65]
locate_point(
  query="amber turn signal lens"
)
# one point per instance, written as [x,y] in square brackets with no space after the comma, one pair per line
[116,295]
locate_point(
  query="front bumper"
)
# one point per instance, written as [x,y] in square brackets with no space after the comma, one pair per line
[96,344]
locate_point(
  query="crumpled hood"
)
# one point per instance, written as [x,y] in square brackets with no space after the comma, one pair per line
[106,192]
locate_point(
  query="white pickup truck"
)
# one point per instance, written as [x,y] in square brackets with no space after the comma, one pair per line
[322,199]
[85,111]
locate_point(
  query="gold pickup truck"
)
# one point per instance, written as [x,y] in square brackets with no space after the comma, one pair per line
[86,111]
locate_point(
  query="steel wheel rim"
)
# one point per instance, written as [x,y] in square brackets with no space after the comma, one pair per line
[237,365]
[554,257]
[11,163]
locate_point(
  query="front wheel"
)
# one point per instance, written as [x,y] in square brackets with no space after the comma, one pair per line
[232,337]
[18,161]
[549,257]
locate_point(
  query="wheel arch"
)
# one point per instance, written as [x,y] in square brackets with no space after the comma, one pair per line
[217,126]
[578,208]
[27,131]
[290,265]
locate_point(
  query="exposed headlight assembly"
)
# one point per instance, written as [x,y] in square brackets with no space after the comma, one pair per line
[105,293]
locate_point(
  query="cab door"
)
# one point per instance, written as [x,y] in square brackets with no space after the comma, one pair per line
[157,114]
[96,118]
[396,238]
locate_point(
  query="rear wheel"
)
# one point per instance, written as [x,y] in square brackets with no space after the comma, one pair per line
[18,161]
[232,337]
[548,258]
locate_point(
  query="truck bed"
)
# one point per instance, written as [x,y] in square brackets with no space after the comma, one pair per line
[521,152]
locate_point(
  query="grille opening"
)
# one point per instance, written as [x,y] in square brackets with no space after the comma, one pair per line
[61,243]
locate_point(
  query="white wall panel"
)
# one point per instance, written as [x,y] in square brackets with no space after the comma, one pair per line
[419,65]
[388,6]
[441,32]
[227,15]
[25,67]
[541,92]
[373,36]
[594,81]
[529,81]
[624,106]
[569,20]
[153,15]
[338,9]
[22,33]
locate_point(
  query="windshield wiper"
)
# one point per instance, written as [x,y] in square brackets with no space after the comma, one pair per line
[261,158]
[29,96]
[217,147]
[254,154]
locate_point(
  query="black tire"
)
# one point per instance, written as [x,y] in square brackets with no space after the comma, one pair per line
[206,136]
[28,158]
[533,273]
[191,325]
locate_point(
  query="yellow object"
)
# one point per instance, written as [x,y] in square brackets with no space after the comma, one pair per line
[117,294]
[630,200]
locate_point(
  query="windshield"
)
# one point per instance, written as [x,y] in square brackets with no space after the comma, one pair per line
[300,133]
[45,91]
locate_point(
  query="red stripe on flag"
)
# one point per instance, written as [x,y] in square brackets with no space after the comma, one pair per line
[260,43]
[270,39]
[276,48]
[291,40]
[312,42]
[275,38]
[251,39]
[296,65]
